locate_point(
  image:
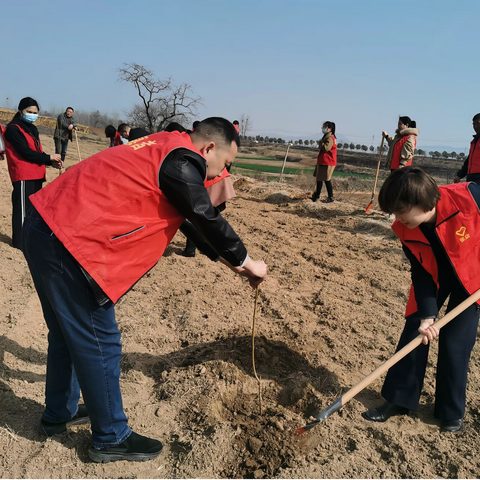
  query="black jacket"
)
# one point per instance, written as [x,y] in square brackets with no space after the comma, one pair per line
[471,177]
[19,142]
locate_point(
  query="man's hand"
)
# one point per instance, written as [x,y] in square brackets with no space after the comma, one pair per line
[56,160]
[456,179]
[428,329]
[70,126]
[254,271]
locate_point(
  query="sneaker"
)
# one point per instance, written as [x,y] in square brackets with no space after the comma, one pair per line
[50,428]
[136,448]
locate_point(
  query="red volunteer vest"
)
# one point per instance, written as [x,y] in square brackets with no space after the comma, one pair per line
[458,229]
[18,168]
[474,157]
[110,214]
[330,157]
[397,150]
[213,181]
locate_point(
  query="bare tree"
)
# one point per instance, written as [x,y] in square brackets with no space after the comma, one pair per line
[162,101]
[245,125]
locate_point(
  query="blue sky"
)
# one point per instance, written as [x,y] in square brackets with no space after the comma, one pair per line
[288,65]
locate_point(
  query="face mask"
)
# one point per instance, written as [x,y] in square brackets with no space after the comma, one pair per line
[324,130]
[30,117]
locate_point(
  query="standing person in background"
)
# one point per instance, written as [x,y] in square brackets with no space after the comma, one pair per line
[131,134]
[402,145]
[63,132]
[113,135]
[471,166]
[195,125]
[326,162]
[236,125]
[26,162]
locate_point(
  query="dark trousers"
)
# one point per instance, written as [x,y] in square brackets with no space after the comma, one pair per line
[21,204]
[84,348]
[61,147]
[404,381]
[328,184]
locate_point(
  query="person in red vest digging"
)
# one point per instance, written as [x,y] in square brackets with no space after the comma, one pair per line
[402,146]
[471,166]
[439,228]
[26,162]
[92,234]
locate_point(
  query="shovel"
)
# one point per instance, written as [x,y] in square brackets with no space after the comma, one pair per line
[78,148]
[376,177]
[323,415]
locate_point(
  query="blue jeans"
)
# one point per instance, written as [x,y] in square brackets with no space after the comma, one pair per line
[61,146]
[84,346]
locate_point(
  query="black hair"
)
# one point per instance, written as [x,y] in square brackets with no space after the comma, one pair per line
[110,131]
[408,121]
[476,117]
[331,126]
[218,127]
[174,127]
[122,127]
[408,187]
[70,108]
[195,124]
[235,122]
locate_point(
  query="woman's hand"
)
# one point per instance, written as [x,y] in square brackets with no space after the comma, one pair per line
[384,134]
[56,160]
[428,329]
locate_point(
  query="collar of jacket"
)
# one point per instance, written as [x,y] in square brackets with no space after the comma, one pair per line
[408,131]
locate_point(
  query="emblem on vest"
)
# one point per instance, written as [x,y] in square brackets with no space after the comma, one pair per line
[462,233]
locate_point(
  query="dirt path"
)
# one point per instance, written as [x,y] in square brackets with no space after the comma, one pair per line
[330,313]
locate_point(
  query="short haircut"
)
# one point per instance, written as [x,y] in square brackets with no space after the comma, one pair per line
[122,127]
[235,122]
[174,127]
[110,131]
[331,126]
[218,129]
[408,187]
[408,121]
[195,124]
[70,108]
[476,117]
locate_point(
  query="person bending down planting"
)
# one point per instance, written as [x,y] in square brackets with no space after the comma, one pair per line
[439,228]
[91,235]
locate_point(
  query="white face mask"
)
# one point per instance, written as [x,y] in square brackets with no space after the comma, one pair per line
[324,130]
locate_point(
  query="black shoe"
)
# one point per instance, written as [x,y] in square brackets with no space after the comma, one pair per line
[451,425]
[135,448]
[314,198]
[384,412]
[187,253]
[50,428]
[329,200]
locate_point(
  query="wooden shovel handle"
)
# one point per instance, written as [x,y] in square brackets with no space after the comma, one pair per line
[408,348]
[78,148]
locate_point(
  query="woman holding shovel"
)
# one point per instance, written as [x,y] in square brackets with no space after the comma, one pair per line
[402,145]
[438,230]
[326,161]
